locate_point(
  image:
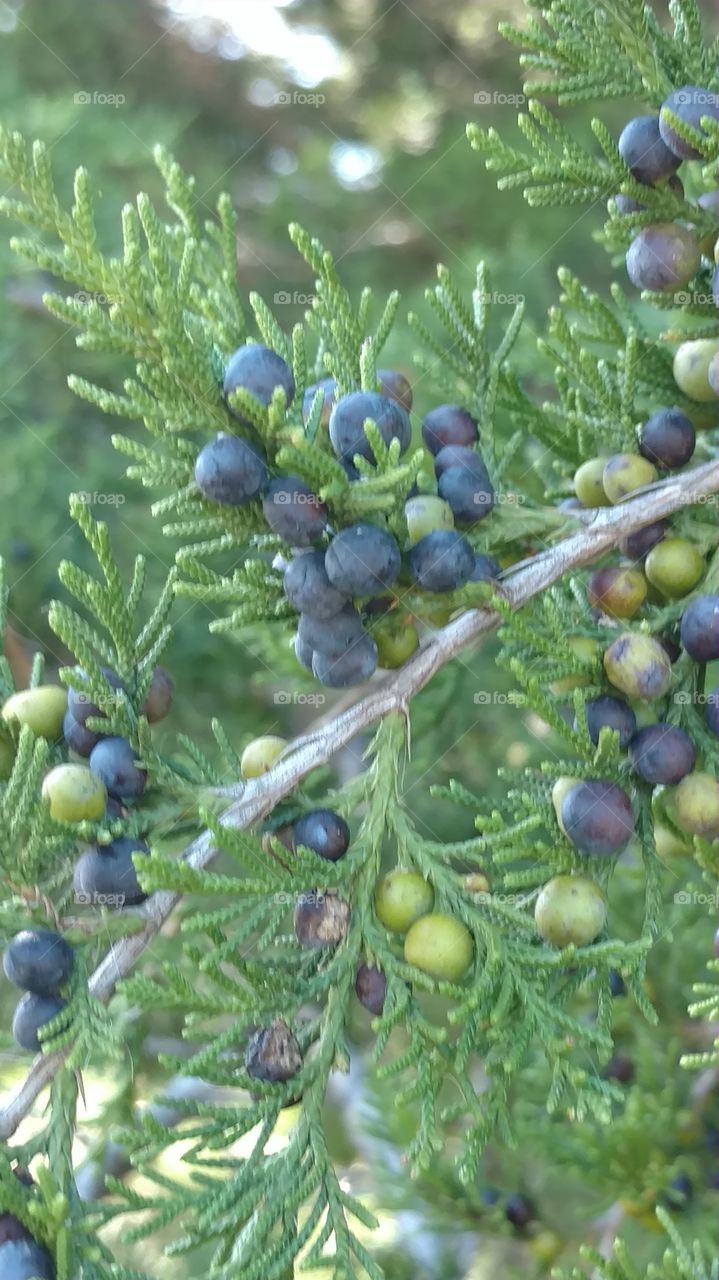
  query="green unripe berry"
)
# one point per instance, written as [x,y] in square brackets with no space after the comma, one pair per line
[424,514]
[42,709]
[259,755]
[626,472]
[638,665]
[668,845]
[439,945]
[546,1247]
[395,644]
[588,483]
[617,590]
[696,805]
[587,650]
[561,788]
[570,911]
[401,897]
[674,567]
[74,794]
[691,369]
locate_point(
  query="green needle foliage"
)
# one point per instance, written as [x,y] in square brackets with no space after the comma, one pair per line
[249,1175]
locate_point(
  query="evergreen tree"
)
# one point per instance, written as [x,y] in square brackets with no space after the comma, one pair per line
[515,982]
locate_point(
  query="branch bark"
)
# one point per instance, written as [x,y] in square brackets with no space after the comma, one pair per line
[600,532]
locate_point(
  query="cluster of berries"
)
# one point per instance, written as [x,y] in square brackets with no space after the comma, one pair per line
[596,815]
[338,580]
[74,792]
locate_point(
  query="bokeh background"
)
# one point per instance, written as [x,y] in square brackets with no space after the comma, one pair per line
[348,116]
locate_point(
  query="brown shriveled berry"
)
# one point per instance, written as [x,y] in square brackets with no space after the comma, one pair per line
[371,988]
[273,1054]
[321,919]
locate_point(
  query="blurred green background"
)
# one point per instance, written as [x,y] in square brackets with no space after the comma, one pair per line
[348,116]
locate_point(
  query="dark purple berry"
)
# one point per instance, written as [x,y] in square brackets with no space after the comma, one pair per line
[627,204]
[331,636]
[303,652]
[80,705]
[308,588]
[323,831]
[159,696]
[321,919]
[350,414]
[610,713]
[230,471]
[662,754]
[441,561]
[294,512]
[449,424]
[644,152]
[637,545]
[680,1191]
[78,737]
[348,669]
[11,1228]
[113,762]
[616,984]
[597,817]
[39,960]
[105,875]
[519,1211]
[25,1260]
[699,629]
[620,1068]
[457,455]
[371,988]
[259,370]
[667,439]
[328,387]
[468,490]
[32,1013]
[273,1054]
[363,560]
[485,568]
[663,257]
[690,104]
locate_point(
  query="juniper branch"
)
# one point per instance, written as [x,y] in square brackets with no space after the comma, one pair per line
[253,801]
